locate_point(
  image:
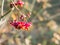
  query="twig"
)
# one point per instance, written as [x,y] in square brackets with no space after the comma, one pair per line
[54,16]
[17,8]
[33,5]
[2,7]
[5,14]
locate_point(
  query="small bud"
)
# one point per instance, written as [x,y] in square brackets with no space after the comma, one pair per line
[22,17]
[11,5]
[29,14]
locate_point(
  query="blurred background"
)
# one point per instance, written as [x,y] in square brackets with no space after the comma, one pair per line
[45,18]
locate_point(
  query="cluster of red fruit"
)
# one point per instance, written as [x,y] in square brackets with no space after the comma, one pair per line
[18,3]
[22,23]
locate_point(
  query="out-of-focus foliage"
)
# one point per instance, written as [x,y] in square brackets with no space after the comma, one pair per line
[45,30]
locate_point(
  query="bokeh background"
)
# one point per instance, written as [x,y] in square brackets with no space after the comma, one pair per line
[45,18]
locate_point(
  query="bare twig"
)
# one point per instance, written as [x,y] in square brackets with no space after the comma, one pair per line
[54,16]
[33,5]
[5,14]
[17,8]
[2,7]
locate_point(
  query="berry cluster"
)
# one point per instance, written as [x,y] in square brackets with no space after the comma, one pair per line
[22,23]
[18,3]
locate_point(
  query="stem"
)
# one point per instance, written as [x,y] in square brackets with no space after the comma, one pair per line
[33,5]
[5,14]
[2,7]
[17,8]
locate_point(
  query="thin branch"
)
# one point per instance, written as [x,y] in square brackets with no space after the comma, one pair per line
[55,5]
[17,8]
[33,5]
[2,7]
[5,14]
[54,16]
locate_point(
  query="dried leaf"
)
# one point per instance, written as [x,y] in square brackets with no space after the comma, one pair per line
[13,16]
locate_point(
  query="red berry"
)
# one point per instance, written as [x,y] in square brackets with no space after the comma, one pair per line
[20,3]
